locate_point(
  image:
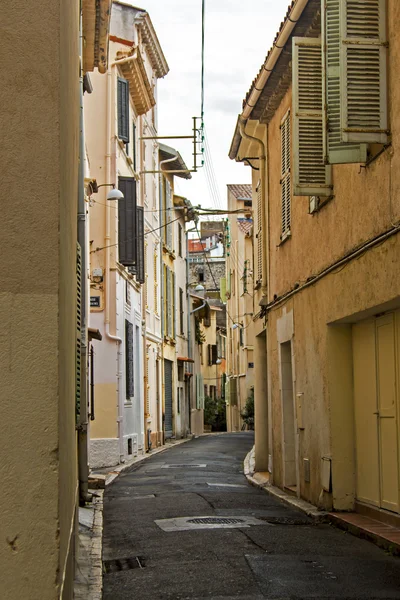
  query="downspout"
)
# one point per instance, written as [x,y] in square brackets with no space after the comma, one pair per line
[107,241]
[162,404]
[264,199]
[83,459]
[144,319]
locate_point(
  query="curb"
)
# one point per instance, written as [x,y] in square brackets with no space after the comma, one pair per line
[318,516]
[88,584]
[382,542]
[113,474]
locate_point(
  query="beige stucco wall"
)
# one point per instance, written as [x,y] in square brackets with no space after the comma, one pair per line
[365,204]
[38,298]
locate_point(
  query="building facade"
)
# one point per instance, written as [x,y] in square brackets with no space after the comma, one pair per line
[124,237]
[329,289]
[239,302]
[40,327]
[177,363]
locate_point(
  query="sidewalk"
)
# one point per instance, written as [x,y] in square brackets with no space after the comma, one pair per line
[88,583]
[385,536]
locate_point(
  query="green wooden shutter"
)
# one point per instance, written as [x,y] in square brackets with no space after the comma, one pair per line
[311,176]
[173,294]
[123,109]
[78,372]
[168,219]
[140,262]
[363,57]
[336,151]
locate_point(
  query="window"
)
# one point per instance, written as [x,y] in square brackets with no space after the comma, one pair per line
[155,276]
[310,174]
[127,226]
[129,360]
[212,354]
[285,175]
[181,312]
[134,145]
[178,400]
[167,214]
[179,239]
[201,276]
[123,109]
[247,203]
[146,276]
[140,255]
[169,303]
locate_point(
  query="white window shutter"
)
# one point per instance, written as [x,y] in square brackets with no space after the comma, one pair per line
[311,176]
[363,57]
[337,152]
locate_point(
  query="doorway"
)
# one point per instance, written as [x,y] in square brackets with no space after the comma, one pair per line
[376,379]
[288,418]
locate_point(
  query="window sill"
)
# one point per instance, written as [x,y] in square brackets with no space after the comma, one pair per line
[285,237]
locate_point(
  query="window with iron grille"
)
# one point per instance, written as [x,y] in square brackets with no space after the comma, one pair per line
[285,176]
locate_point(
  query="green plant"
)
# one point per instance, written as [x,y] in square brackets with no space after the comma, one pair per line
[215,413]
[247,413]
[198,334]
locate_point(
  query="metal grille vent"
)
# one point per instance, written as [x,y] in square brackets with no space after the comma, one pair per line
[123,564]
[215,521]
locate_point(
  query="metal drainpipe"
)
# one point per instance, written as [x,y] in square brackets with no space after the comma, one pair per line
[83,460]
[188,324]
[162,403]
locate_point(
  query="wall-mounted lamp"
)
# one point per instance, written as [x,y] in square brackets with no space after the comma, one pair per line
[236,325]
[113,194]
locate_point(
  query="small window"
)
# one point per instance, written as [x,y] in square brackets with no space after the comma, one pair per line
[248,203]
[123,109]
[179,239]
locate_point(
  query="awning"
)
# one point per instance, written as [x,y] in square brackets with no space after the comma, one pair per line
[185,359]
[94,334]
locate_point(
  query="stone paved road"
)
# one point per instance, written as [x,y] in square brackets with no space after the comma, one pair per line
[284,556]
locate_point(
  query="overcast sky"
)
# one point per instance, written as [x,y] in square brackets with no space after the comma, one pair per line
[238,35]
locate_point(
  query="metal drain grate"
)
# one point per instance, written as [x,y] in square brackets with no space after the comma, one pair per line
[286,521]
[123,564]
[215,521]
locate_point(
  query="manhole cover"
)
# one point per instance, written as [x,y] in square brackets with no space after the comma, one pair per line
[123,564]
[207,522]
[215,521]
[199,466]
[286,521]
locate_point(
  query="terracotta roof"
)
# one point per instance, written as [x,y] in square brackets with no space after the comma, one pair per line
[245,225]
[195,246]
[241,191]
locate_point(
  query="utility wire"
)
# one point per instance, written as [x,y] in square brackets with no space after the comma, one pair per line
[132,238]
[203,10]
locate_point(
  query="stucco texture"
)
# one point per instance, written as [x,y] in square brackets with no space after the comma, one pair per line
[39,132]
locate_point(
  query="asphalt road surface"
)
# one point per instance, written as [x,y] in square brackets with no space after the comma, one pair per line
[186,524]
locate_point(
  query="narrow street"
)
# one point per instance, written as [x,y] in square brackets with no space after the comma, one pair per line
[264,549]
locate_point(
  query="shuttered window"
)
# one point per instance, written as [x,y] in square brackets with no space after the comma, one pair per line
[127,242]
[123,109]
[78,372]
[140,258]
[145,287]
[173,308]
[168,216]
[134,151]
[155,276]
[169,305]
[336,151]
[259,234]
[129,377]
[212,354]
[285,175]
[310,174]
[199,392]
[181,312]
[364,71]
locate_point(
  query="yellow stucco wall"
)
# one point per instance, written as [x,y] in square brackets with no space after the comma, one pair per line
[366,203]
[39,152]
